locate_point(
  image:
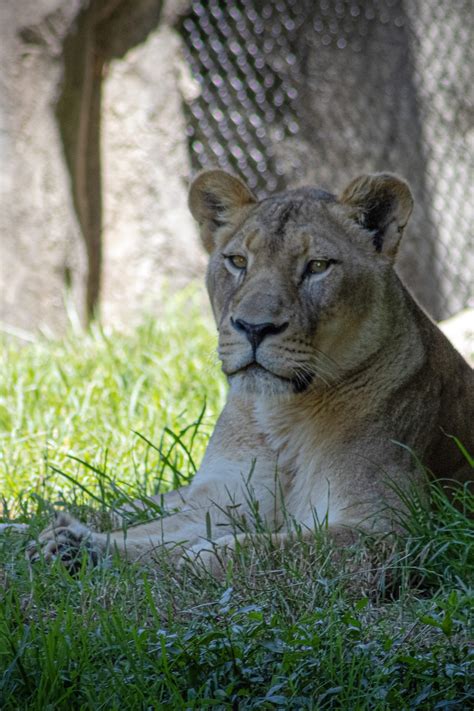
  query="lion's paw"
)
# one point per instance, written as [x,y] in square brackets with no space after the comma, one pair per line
[66,539]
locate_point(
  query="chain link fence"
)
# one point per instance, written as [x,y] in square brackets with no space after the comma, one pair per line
[317,91]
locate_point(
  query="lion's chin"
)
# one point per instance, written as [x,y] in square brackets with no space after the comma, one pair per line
[255,380]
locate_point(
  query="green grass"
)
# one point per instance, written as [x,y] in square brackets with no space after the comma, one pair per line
[87,396]
[300,630]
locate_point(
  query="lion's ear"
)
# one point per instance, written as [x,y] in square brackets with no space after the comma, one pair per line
[215,199]
[381,203]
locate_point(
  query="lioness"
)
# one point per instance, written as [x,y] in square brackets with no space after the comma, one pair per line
[337,378]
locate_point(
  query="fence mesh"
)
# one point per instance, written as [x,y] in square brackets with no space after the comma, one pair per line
[317,91]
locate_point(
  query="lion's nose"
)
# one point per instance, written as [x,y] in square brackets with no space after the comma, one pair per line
[256,332]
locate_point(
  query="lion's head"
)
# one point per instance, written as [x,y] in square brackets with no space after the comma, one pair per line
[298,281]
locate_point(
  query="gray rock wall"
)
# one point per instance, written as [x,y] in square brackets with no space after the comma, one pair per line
[41,251]
[94,161]
[150,243]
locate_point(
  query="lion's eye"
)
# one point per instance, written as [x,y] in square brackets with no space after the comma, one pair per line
[318,266]
[237,261]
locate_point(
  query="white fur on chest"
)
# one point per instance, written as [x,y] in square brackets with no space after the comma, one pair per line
[308,463]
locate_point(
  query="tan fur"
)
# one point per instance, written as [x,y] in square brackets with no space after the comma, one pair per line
[347,382]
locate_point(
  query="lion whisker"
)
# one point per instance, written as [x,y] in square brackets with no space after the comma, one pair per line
[315,368]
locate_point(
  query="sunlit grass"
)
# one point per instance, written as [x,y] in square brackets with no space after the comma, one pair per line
[88,395]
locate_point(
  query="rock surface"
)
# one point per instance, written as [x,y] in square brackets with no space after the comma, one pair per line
[41,251]
[84,227]
[150,240]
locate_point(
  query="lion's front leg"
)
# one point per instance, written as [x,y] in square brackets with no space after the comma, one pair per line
[68,540]
[219,499]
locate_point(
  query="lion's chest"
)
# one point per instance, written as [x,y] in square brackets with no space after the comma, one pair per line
[311,479]
[314,490]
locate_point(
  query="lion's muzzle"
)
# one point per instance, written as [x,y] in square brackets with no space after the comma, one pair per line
[256,332]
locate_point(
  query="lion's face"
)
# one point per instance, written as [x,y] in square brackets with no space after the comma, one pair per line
[282,295]
[293,282]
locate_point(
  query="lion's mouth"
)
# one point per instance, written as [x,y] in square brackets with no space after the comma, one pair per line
[299,383]
[254,367]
